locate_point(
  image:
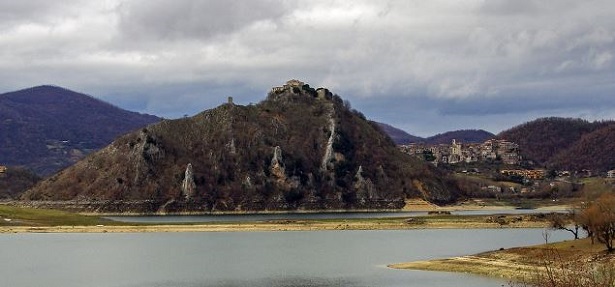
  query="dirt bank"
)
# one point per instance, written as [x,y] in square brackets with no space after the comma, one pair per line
[522,263]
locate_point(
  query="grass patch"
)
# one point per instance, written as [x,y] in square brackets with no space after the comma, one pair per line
[22,216]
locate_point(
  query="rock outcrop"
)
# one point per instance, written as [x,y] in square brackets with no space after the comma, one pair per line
[188,185]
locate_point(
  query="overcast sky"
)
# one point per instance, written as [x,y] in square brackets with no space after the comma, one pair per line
[423,66]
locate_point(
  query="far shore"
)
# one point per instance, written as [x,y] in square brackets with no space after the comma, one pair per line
[16,219]
[412,205]
[275,225]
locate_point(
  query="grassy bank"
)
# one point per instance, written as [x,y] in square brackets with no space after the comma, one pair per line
[523,263]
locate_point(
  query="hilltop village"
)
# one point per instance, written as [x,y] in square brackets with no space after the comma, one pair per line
[456,152]
[505,154]
[496,168]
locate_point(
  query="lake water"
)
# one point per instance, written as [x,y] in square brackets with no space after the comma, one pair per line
[220,259]
[297,216]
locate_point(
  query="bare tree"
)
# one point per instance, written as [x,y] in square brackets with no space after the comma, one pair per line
[566,222]
[598,218]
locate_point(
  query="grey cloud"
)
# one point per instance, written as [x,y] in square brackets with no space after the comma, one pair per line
[21,12]
[193,19]
[436,63]
[526,8]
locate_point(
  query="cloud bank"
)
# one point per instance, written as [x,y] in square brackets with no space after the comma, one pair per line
[425,66]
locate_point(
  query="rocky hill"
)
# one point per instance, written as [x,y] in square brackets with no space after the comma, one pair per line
[565,143]
[47,128]
[299,149]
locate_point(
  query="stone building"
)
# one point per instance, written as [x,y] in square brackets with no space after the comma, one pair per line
[289,86]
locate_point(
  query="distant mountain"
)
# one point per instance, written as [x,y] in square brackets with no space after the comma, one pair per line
[565,143]
[47,128]
[300,148]
[464,136]
[399,136]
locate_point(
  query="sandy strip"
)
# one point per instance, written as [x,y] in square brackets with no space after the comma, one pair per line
[502,268]
[267,226]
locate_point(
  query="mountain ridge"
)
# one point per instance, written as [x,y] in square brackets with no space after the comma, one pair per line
[399,136]
[47,128]
[402,137]
[464,136]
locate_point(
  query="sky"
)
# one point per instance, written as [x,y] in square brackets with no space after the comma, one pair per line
[423,66]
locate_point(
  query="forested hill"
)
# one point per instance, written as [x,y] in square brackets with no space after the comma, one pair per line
[592,151]
[564,143]
[400,136]
[47,128]
[299,149]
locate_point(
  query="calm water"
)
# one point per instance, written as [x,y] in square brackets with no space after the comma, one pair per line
[317,258]
[296,216]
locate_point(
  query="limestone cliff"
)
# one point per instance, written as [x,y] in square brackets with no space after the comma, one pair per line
[299,149]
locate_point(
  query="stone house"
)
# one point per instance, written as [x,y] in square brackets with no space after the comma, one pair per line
[290,84]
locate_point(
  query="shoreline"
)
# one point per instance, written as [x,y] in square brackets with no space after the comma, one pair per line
[476,265]
[33,220]
[429,222]
[521,264]
[412,205]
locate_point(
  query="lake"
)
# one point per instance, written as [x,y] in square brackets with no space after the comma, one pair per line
[203,259]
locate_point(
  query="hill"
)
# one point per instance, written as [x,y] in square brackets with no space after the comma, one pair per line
[47,128]
[564,143]
[399,136]
[593,151]
[14,181]
[299,149]
[464,136]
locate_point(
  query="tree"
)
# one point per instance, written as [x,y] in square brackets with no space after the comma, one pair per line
[598,218]
[562,222]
